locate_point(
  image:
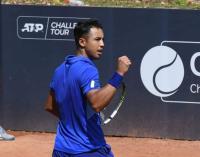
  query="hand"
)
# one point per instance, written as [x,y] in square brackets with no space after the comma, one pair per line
[123,65]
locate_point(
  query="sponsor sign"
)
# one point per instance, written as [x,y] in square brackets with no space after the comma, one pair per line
[164,71]
[46,28]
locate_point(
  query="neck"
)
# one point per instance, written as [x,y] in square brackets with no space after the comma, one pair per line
[81,52]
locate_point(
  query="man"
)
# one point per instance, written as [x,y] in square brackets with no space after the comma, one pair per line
[76,96]
[5,136]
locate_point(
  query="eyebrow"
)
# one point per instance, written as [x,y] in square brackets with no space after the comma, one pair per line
[99,38]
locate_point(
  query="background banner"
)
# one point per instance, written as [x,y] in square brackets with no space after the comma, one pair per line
[163,84]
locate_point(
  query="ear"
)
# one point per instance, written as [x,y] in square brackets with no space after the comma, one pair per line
[82,42]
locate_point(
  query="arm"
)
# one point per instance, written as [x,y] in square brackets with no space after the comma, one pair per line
[50,105]
[100,98]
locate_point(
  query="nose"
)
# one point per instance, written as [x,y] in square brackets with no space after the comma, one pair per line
[102,43]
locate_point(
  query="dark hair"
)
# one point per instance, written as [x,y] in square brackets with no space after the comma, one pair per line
[83,28]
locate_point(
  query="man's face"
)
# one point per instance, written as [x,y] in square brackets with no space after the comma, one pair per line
[94,43]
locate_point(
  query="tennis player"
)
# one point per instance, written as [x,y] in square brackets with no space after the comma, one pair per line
[76,97]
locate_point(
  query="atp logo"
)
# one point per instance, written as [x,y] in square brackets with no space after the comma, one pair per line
[32,27]
[162,71]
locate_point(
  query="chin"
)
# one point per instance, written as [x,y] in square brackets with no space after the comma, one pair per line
[96,57]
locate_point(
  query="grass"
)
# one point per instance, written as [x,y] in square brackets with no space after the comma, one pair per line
[186,4]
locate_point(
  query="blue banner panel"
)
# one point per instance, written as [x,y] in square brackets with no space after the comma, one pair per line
[163,85]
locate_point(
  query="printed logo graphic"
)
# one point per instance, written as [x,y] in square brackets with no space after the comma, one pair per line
[162,71]
[46,28]
[173,78]
[92,84]
[32,27]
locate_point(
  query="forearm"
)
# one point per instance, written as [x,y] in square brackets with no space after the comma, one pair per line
[52,111]
[50,105]
[99,99]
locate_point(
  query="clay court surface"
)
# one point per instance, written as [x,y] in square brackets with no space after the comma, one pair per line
[28,144]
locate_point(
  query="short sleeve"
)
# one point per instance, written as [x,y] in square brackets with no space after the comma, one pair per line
[55,78]
[89,79]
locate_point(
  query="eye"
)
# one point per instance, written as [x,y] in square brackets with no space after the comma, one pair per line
[99,39]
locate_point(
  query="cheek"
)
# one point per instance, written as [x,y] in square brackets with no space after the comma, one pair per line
[93,46]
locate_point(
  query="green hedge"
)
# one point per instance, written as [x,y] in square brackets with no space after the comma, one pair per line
[186,4]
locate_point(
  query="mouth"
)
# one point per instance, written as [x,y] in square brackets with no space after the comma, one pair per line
[100,51]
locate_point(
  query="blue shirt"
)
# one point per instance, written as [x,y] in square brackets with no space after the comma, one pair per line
[79,128]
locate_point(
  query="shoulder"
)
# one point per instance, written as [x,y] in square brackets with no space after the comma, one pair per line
[59,69]
[83,67]
[58,72]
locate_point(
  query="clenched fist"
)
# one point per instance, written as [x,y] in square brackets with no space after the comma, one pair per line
[123,65]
